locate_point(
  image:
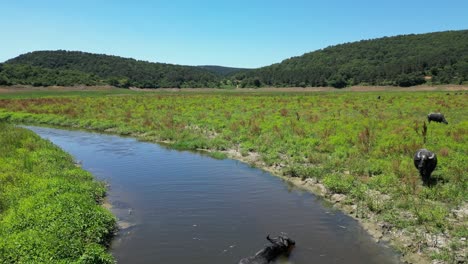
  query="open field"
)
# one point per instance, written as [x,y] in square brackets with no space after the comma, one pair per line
[49,208]
[18,89]
[350,147]
[32,92]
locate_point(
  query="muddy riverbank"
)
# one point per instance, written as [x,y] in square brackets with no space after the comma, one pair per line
[415,246]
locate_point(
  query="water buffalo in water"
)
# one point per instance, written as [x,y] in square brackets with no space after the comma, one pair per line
[280,245]
[425,161]
[436,117]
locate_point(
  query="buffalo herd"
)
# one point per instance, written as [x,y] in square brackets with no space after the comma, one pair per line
[424,160]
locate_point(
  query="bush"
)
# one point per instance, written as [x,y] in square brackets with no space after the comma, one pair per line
[339,183]
[407,80]
[337,81]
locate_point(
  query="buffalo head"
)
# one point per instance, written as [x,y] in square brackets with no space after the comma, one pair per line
[282,241]
[425,161]
[280,245]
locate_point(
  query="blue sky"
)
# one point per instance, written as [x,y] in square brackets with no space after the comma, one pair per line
[237,33]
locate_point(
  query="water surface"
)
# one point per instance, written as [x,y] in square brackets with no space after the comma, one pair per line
[183,207]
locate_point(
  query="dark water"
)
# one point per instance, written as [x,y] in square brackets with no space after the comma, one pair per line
[183,207]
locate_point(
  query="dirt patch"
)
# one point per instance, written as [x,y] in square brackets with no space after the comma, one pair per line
[317,89]
[27,88]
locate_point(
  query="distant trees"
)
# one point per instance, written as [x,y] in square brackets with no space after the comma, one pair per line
[37,76]
[3,77]
[112,70]
[402,60]
[119,82]
[337,81]
[407,60]
[407,80]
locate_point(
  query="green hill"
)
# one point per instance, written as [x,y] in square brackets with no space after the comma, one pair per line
[405,60]
[101,69]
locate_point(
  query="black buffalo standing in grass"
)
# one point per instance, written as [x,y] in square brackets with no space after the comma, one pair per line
[280,245]
[436,117]
[425,161]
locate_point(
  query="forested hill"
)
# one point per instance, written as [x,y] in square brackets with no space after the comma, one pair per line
[221,70]
[74,67]
[405,60]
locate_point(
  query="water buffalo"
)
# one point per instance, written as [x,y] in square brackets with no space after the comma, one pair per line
[436,117]
[280,245]
[425,161]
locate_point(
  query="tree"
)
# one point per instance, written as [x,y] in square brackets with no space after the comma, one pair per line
[407,80]
[4,80]
[337,81]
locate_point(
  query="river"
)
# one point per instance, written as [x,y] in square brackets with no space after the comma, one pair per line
[185,207]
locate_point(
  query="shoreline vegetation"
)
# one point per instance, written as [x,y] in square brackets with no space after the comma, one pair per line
[354,149]
[50,209]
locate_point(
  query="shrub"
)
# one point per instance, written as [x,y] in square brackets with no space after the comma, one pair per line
[407,80]
[339,183]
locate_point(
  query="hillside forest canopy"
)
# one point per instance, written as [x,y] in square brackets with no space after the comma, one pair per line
[405,60]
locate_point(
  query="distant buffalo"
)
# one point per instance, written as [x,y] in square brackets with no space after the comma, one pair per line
[280,245]
[436,117]
[425,161]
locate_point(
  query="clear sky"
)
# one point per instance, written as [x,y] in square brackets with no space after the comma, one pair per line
[237,33]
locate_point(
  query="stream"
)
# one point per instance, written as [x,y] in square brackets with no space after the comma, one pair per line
[185,207]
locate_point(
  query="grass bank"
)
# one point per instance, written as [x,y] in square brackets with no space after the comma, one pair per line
[49,209]
[354,148]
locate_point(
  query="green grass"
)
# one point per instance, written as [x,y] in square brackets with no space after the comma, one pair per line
[352,142]
[49,208]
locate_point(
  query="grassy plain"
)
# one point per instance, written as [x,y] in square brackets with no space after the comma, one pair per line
[49,208]
[357,146]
